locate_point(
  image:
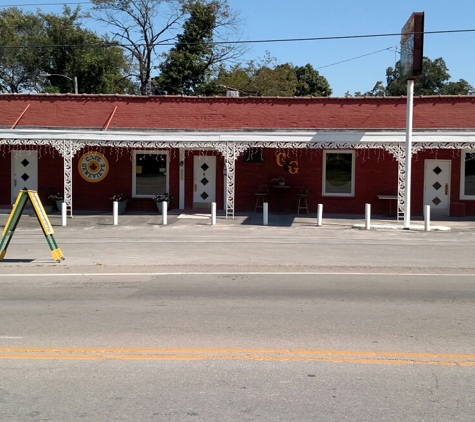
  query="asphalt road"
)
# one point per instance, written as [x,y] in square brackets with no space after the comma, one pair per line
[237,322]
[237,347]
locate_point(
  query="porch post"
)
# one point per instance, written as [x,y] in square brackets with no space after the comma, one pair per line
[181,195]
[68,176]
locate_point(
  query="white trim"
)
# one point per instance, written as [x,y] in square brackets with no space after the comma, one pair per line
[324,170]
[134,177]
[462,175]
[251,136]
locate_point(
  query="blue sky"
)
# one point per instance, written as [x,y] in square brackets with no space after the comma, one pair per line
[284,19]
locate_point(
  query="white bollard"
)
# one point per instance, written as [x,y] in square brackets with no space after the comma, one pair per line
[367,211]
[319,214]
[427,218]
[265,213]
[115,212]
[64,213]
[213,213]
[164,213]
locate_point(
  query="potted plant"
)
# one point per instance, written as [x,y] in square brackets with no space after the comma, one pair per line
[121,199]
[159,199]
[58,198]
[278,181]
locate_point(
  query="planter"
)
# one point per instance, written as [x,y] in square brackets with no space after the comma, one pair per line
[160,207]
[281,183]
[59,204]
[121,206]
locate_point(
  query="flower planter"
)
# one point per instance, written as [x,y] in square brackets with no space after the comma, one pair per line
[281,183]
[59,204]
[121,206]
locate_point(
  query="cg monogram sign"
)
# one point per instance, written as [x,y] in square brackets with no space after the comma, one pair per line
[291,166]
[93,166]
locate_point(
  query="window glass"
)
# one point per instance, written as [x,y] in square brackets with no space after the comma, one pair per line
[468,175]
[338,173]
[150,174]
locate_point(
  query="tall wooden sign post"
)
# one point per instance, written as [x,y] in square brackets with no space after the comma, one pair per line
[22,199]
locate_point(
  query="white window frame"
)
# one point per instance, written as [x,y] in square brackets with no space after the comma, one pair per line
[462,174]
[324,171]
[134,177]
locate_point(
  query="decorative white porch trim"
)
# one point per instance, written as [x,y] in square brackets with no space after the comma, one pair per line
[232,144]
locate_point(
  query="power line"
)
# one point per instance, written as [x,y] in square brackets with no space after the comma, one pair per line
[341,37]
[44,4]
[354,58]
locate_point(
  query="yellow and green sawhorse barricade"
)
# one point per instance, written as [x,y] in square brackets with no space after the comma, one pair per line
[22,199]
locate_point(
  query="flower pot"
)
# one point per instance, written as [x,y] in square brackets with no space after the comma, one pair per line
[159,207]
[121,206]
[281,183]
[59,204]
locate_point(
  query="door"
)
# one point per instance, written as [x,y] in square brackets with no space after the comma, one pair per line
[24,172]
[204,181]
[437,187]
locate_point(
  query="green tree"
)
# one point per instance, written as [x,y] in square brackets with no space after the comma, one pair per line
[32,44]
[188,64]
[311,83]
[146,27]
[99,65]
[20,59]
[434,80]
[266,78]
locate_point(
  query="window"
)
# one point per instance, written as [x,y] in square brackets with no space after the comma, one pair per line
[149,174]
[339,173]
[467,175]
[253,155]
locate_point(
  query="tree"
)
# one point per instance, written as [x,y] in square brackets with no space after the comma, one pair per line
[143,27]
[311,83]
[188,63]
[433,81]
[19,60]
[57,44]
[266,78]
[99,65]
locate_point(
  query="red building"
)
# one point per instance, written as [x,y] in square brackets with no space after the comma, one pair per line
[347,151]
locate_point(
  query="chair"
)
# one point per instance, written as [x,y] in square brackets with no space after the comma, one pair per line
[302,199]
[261,196]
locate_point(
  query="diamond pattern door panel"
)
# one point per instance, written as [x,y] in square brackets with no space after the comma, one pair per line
[437,186]
[204,181]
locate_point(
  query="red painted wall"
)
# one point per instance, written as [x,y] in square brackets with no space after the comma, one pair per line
[376,171]
[225,113]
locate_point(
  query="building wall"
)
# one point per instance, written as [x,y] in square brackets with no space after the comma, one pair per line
[226,113]
[376,170]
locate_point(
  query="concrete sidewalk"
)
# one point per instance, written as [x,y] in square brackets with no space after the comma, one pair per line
[177,218]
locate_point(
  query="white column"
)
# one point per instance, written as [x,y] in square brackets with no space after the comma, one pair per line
[64,213]
[367,216]
[319,214]
[181,195]
[265,213]
[164,213]
[409,109]
[213,213]
[427,218]
[115,212]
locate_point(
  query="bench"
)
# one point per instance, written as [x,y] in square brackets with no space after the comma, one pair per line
[389,198]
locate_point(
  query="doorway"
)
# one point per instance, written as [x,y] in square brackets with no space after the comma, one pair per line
[437,187]
[24,172]
[204,181]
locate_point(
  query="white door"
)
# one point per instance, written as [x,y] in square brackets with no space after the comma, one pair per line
[24,172]
[204,181]
[437,187]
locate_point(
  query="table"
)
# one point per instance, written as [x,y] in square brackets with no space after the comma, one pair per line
[281,189]
[390,198]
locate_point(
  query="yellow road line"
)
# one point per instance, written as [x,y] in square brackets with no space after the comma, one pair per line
[275,355]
